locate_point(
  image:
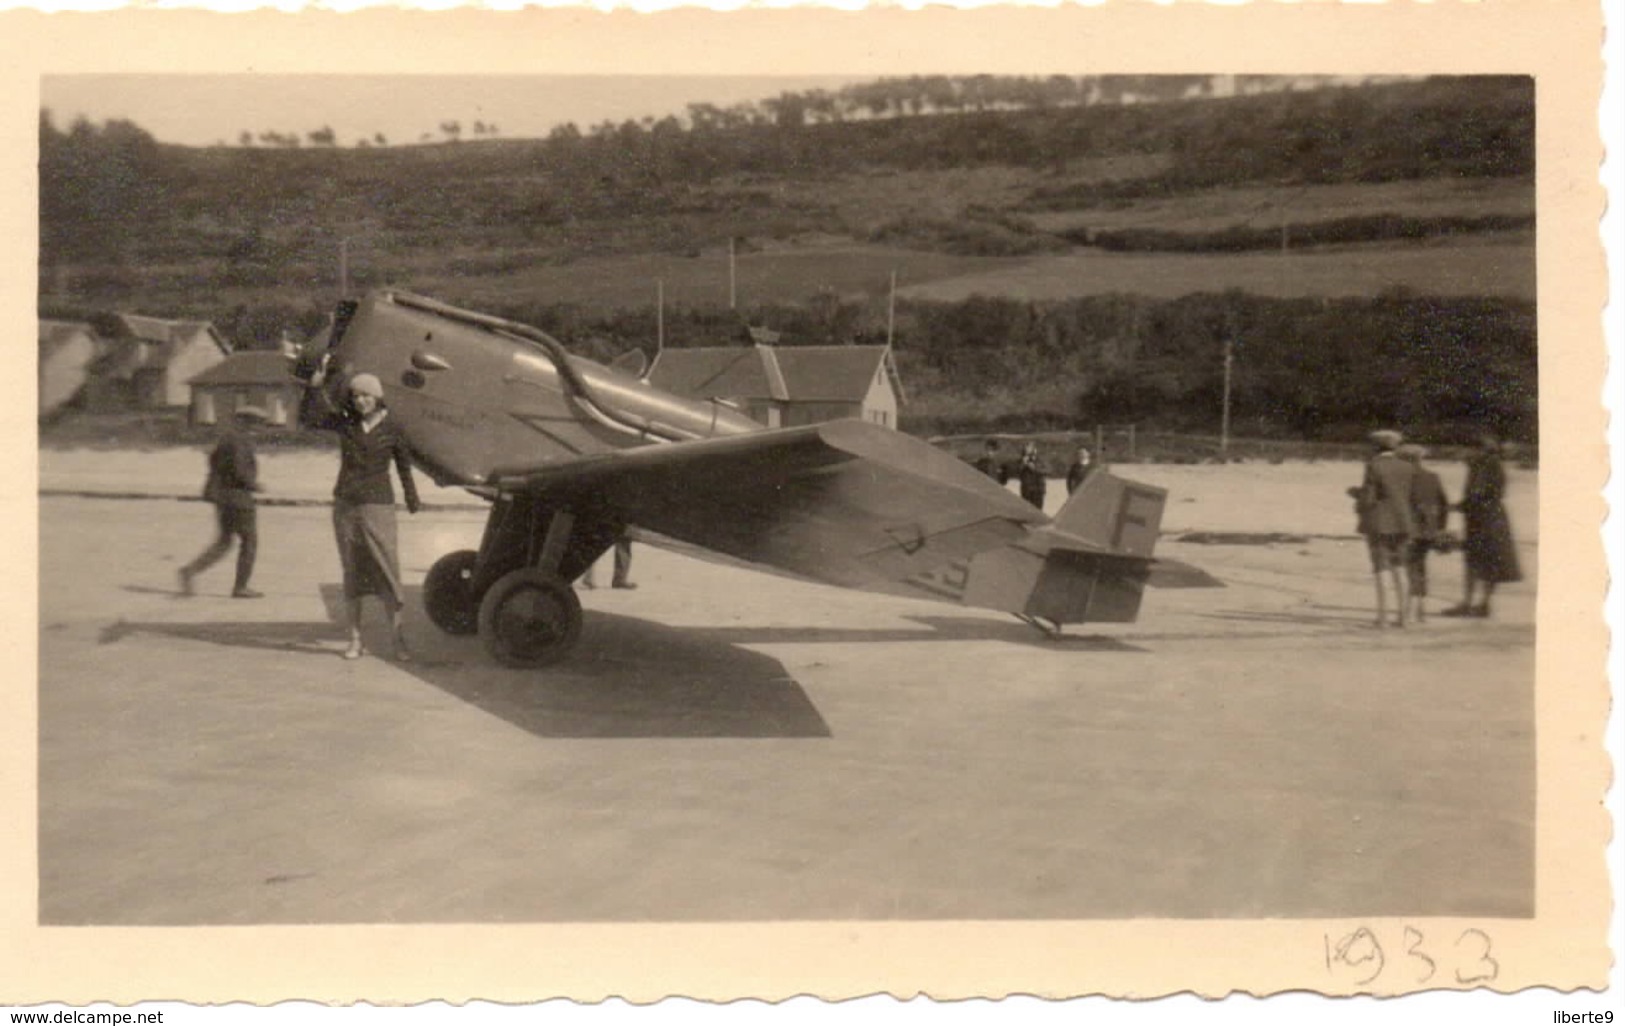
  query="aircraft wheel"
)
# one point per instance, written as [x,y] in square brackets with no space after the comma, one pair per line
[448,593]
[529,619]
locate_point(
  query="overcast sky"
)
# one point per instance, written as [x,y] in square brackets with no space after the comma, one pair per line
[201,110]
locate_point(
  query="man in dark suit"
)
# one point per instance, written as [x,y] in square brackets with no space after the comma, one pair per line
[233,480]
[1031,474]
[1383,501]
[990,464]
[1083,464]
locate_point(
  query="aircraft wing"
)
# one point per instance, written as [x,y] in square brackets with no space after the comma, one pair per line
[844,502]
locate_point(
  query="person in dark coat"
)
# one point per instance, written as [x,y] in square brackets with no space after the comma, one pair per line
[991,464]
[364,500]
[1083,464]
[1031,475]
[1487,547]
[233,479]
[1383,502]
[1429,511]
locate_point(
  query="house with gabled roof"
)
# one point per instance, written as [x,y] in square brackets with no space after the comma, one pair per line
[258,378]
[784,386]
[66,351]
[149,362]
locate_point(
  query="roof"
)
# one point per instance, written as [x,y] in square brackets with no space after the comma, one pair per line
[255,367]
[53,334]
[717,371]
[151,342]
[795,373]
[825,373]
[158,329]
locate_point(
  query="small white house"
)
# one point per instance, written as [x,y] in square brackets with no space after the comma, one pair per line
[148,362]
[255,378]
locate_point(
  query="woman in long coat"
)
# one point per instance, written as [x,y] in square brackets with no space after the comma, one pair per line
[1488,548]
[364,503]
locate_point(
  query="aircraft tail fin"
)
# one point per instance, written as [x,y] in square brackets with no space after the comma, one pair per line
[1092,565]
[1123,516]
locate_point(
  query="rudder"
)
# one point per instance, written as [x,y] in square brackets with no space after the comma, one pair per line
[1124,516]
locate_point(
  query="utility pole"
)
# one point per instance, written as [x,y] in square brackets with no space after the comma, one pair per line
[1224,418]
[731,292]
[344,268]
[660,315]
[891,308]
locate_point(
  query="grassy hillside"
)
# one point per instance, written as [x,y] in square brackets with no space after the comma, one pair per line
[1353,214]
[123,217]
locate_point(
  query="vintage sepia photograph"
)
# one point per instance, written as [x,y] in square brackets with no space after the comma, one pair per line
[1053,498]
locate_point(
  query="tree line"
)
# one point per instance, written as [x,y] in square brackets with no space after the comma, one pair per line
[111,190]
[1312,369]
[887,97]
[326,137]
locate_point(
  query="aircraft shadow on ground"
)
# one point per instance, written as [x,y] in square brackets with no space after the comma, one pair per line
[274,636]
[627,678]
[941,628]
[1311,616]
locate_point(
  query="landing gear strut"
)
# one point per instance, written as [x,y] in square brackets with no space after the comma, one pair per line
[515,590]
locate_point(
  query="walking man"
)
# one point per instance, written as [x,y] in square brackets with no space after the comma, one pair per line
[233,480]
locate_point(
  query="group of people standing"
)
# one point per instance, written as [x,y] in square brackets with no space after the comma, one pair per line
[1403,513]
[1029,471]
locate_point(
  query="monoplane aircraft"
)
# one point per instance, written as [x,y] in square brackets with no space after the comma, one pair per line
[572,453]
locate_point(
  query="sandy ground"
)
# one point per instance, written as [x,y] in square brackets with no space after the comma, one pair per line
[733,746]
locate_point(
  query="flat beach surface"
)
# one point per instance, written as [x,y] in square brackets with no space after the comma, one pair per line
[731,746]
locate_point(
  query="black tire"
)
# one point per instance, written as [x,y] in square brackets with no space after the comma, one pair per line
[529,619]
[448,593]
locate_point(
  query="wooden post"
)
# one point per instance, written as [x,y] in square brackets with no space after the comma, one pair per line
[891,308]
[660,315]
[1224,417]
[344,268]
[731,289]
